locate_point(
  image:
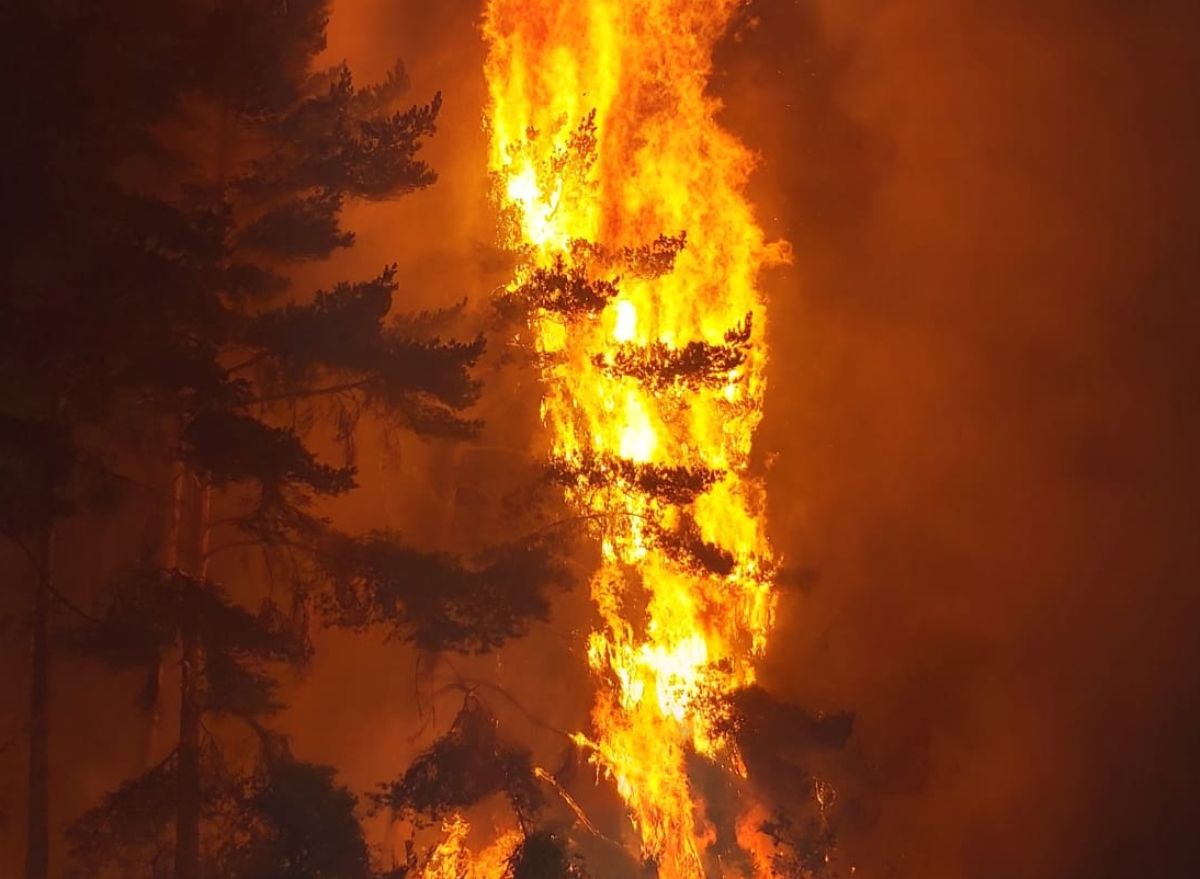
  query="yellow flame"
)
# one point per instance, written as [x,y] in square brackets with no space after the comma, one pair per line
[625,325]
[601,132]
[452,859]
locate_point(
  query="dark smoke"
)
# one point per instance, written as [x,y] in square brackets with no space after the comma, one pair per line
[982,402]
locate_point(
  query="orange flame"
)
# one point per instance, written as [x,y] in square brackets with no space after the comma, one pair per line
[603,141]
[452,858]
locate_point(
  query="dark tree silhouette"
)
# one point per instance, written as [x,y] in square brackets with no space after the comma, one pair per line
[545,854]
[565,289]
[222,650]
[35,458]
[695,365]
[436,600]
[162,178]
[300,824]
[781,744]
[678,485]
[686,546]
[161,170]
[466,765]
[284,819]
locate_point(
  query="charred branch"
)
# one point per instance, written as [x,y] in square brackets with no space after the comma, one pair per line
[677,485]
[696,364]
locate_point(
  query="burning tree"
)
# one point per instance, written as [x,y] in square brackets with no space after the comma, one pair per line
[652,352]
[468,765]
[696,364]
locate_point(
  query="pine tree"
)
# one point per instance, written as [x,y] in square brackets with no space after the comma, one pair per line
[302,825]
[469,763]
[437,601]
[284,819]
[34,458]
[285,149]
[246,172]
[676,485]
[544,854]
[177,163]
[783,747]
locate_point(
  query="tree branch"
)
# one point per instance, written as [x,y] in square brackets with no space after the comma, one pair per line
[27,550]
[248,362]
[71,606]
[233,544]
[312,392]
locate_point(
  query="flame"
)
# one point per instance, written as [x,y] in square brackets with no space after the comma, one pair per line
[452,858]
[602,140]
[751,839]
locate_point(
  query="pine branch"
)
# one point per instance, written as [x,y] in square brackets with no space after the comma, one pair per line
[309,393]
[71,606]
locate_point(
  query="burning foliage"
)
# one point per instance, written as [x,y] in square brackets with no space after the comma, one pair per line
[686,545]
[602,138]
[676,485]
[695,365]
[565,290]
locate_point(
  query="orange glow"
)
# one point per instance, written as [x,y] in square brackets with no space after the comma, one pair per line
[452,859]
[602,142]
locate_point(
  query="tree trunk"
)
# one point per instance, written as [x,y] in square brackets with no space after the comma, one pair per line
[37,850]
[188,793]
[187,802]
[170,562]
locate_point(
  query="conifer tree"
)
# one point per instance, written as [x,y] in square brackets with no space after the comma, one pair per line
[179,163]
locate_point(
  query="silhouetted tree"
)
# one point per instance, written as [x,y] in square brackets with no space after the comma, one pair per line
[299,824]
[35,459]
[48,473]
[222,650]
[685,544]
[565,289]
[697,364]
[762,723]
[169,174]
[779,744]
[677,485]
[466,765]
[162,177]
[436,600]
[281,819]
[545,854]
[66,122]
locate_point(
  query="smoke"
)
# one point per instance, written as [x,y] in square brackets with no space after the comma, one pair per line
[443,237]
[981,414]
